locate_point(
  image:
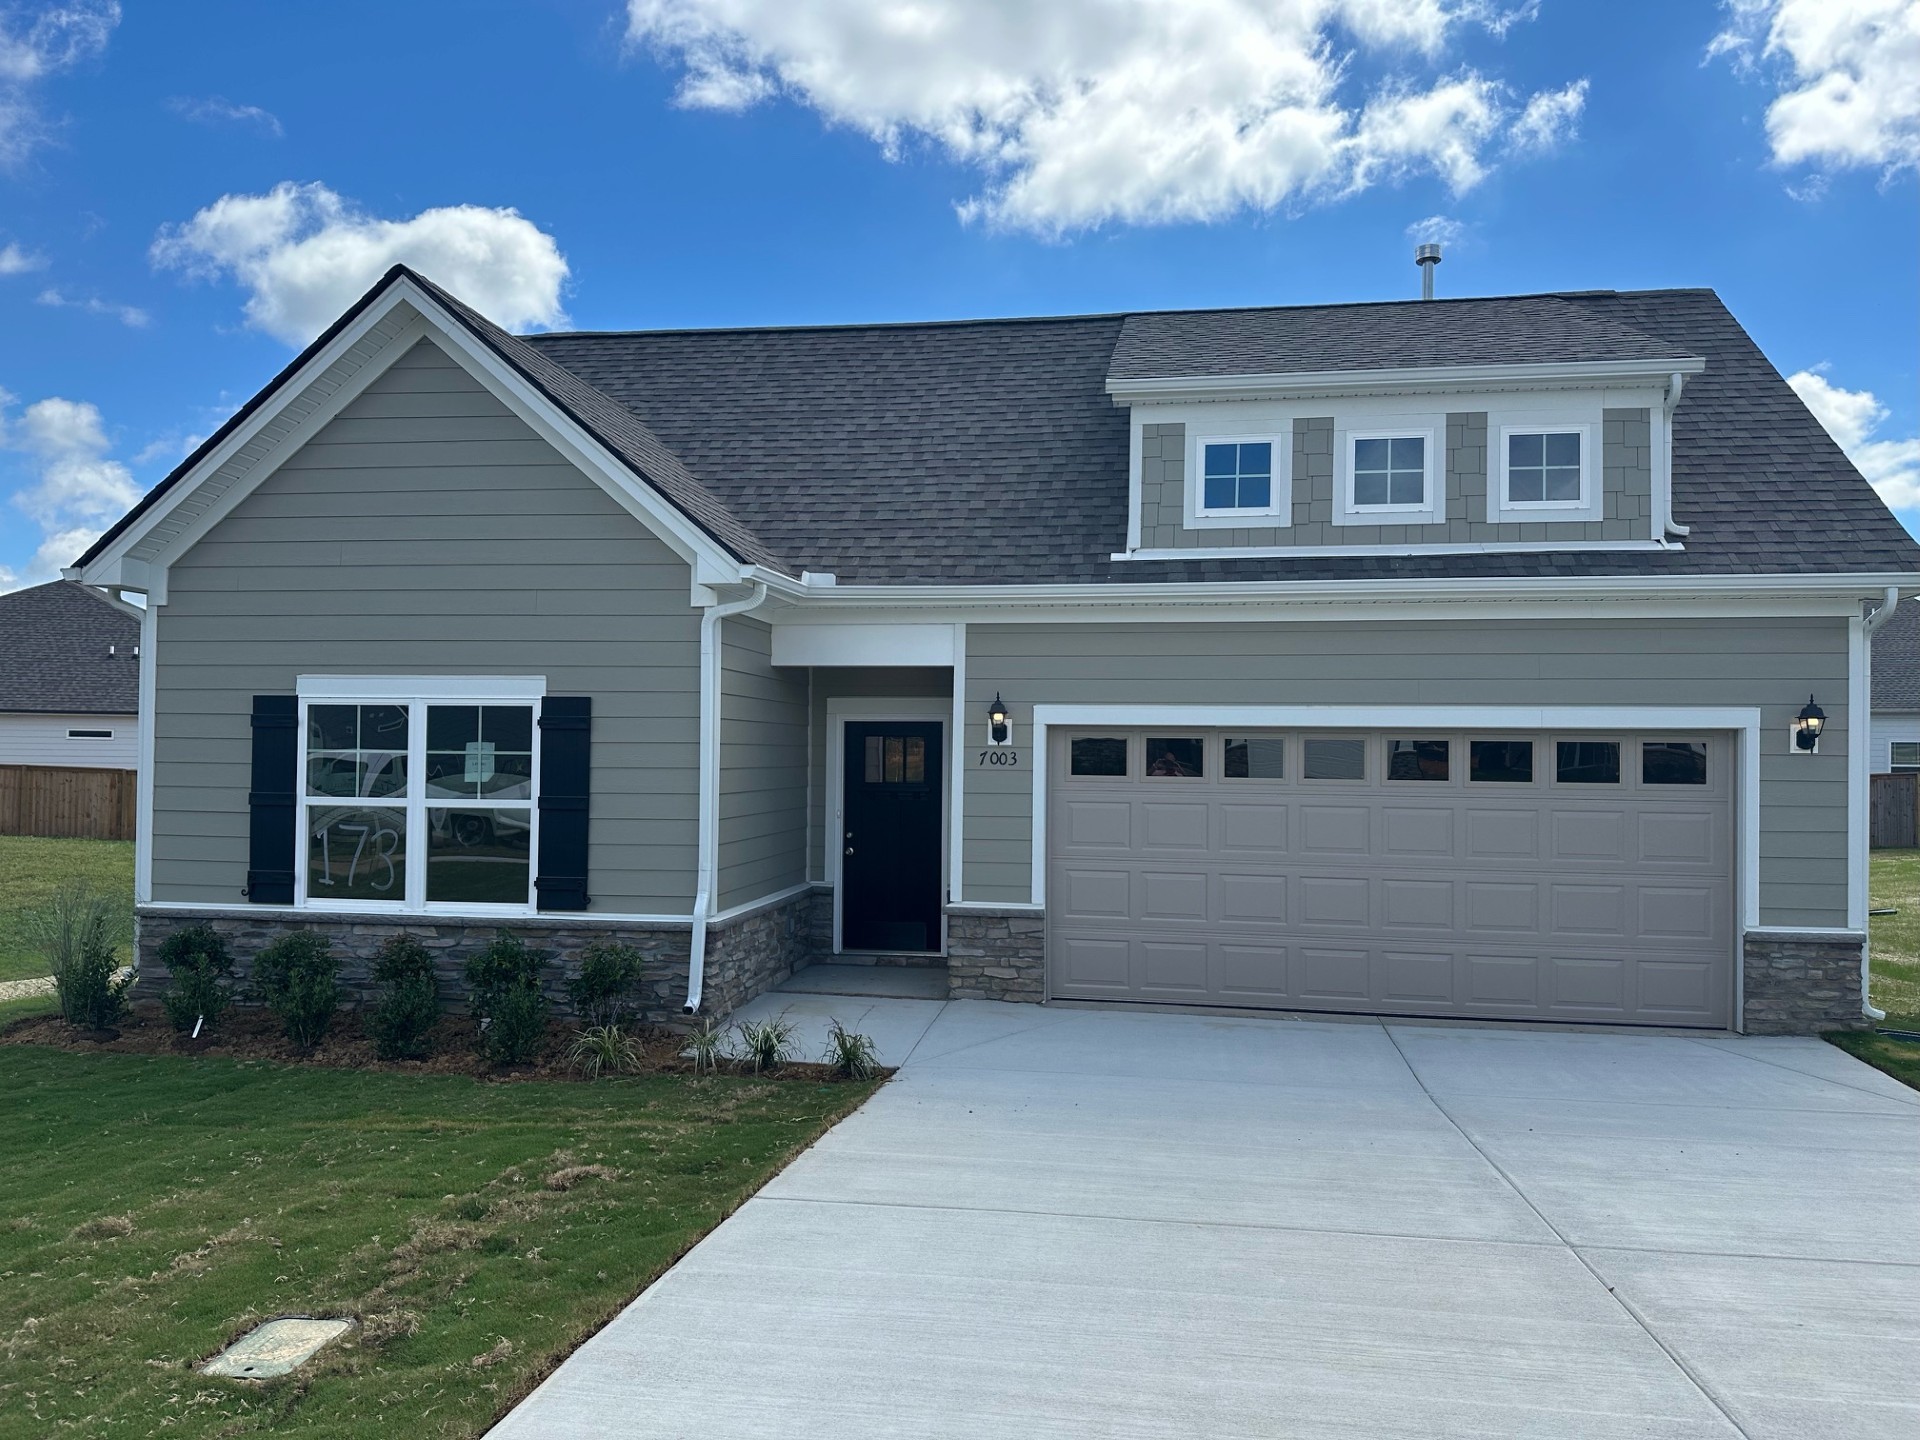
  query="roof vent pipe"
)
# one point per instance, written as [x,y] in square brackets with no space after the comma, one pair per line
[1426,257]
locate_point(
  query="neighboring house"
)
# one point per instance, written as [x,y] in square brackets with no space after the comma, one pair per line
[1441,658]
[1896,693]
[69,679]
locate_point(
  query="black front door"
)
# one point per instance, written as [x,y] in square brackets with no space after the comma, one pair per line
[890,890]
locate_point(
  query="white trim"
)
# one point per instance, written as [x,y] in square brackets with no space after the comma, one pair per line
[404,917]
[143,769]
[1276,514]
[417,693]
[1136,478]
[1744,721]
[1463,547]
[828,643]
[957,779]
[1401,379]
[863,709]
[1823,931]
[1432,509]
[436,689]
[765,902]
[995,907]
[1858,772]
[1591,501]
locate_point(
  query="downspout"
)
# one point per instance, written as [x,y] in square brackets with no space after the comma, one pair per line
[709,826]
[1875,619]
[1676,382]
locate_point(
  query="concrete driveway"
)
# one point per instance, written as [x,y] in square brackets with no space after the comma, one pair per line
[1080,1223]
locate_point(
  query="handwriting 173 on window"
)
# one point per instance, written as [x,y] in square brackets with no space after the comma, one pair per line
[999,757]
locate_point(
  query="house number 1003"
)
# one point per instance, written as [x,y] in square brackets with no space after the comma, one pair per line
[999,757]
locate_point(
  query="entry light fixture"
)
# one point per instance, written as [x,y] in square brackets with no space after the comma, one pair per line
[999,722]
[1808,725]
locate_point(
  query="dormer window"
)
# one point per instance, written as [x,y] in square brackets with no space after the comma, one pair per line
[1543,471]
[1240,480]
[1390,476]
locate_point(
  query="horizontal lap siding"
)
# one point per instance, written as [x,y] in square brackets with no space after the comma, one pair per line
[427,531]
[42,740]
[763,767]
[1772,664]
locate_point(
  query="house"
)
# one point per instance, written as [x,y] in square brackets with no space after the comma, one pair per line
[1444,658]
[1896,693]
[69,679]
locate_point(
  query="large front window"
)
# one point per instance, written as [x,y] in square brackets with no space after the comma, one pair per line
[417,802]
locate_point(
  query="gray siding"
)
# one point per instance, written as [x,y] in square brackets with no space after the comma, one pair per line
[427,531]
[1626,460]
[862,682]
[1769,663]
[763,766]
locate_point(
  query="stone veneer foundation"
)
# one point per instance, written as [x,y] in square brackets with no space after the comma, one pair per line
[746,955]
[996,954]
[1801,984]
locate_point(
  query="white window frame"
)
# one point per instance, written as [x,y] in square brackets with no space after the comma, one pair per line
[1502,509]
[1278,514]
[1432,510]
[1894,765]
[416,693]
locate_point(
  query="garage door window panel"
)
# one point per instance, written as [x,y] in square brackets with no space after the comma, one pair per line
[1673,762]
[1419,760]
[1176,757]
[1586,762]
[1097,756]
[1334,758]
[1500,762]
[1254,757]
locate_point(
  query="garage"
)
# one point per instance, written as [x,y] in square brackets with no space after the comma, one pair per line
[1534,876]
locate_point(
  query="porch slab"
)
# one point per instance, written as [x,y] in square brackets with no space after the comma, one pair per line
[898,982]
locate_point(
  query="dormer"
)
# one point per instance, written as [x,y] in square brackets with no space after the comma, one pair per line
[1451,426]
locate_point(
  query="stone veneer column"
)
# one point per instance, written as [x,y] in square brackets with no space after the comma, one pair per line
[996,954]
[1801,984]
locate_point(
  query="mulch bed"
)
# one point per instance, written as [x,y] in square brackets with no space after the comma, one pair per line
[249,1032]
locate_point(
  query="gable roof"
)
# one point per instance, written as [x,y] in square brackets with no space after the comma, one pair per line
[54,643]
[1414,334]
[988,451]
[1896,659]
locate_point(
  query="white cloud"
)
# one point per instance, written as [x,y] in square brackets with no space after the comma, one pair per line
[37,42]
[75,491]
[129,315]
[1436,230]
[304,254]
[1848,75]
[217,109]
[1851,417]
[1550,119]
[1080,112]
[15,261]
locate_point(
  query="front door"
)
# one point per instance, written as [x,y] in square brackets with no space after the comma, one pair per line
[890,891]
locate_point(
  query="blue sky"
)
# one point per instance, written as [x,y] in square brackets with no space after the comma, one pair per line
[184,201]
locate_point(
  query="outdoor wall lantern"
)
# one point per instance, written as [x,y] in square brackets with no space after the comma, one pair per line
[999,722]
[1807,727]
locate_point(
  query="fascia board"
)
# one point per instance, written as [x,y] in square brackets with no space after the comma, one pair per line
[1401,380]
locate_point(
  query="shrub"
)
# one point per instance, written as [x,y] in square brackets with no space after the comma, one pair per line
[851,1055]
[299,979]
[78,931]
[603,1050]
[503,989]
[765,1045]
[200,972]
[407,1001]
[707,1046]
[604,991]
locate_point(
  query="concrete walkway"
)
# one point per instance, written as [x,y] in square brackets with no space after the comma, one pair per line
[1076,1223]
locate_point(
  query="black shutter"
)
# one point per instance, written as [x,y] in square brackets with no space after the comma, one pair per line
[276,767]
[566,772]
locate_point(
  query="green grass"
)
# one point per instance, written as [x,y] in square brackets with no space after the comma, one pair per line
[1893,958]
[151,1209]
[32,869]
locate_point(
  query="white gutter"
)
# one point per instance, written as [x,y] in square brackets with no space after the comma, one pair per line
[709,829]
[1663,456]
[1315,383]
[1875,619]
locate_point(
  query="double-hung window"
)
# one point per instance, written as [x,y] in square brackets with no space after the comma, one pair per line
[1240,479]
[1543,471]
[418,794]
[1390,477]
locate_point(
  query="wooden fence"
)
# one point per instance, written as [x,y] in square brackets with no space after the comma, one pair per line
[1894,804]
[56,801]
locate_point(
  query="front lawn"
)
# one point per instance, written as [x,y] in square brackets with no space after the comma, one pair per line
[154,1207]
[1893,960]
[31,869]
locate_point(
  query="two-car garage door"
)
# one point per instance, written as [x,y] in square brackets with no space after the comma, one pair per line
[1525,876]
